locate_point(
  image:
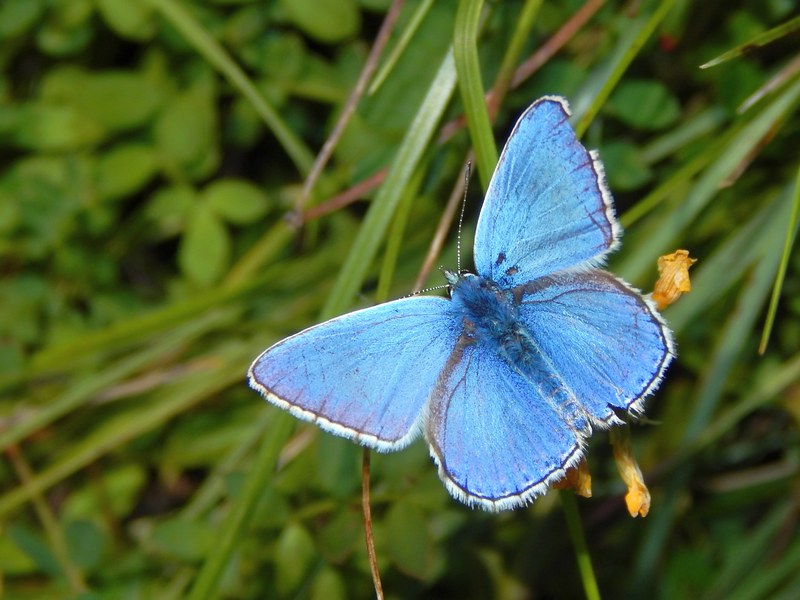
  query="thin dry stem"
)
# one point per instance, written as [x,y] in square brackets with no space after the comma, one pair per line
[369,539]
[352,102]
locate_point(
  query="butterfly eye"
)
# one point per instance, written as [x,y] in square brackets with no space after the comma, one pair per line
[452,277]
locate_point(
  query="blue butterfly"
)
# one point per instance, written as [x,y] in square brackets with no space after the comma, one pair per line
[507,378]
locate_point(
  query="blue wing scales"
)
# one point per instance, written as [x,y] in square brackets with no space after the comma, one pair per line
[506,397]
[365,375]
[498,437]
[547,207]
[608,344]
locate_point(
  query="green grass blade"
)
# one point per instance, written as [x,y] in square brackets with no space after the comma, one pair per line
[764,582]
[780,380]
[718,272]
[733,338]
[215,54]
[405,38]
[465,52]
[629,47]
[675,185]
[38,417]
[698,127]
[383,207]
[791,232]
[395,239]
[667,228]
[758,41]
[578,537]
[510,62]
[742,560]
[233,529]
[214,487]
[168,402]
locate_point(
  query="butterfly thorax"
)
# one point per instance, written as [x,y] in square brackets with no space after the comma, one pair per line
[491,316]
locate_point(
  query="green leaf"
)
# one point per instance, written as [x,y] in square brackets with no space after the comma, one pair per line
[120,99]
[13,559]
[644,104]
[22,298]
[197,439]
[338,473]
[9,212]
[50,128]
[68,29]
[32,544]
[170,208]
[273,509]
[123,487]
[279,55]
[625,169]
[16,16]
[408,540]
[86,543]
[205,248]
[184,539]
[328,585]
[245,25]
[117,99]
[325,20]
[236,200]
[186,131]
[124,170]
[202,41]
[133,20]
[559,74]
[294,556]
[340,535]
[736,81]
[12,358]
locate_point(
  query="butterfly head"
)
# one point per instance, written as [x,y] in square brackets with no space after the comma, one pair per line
[458,279]
[473,290]
[452,278]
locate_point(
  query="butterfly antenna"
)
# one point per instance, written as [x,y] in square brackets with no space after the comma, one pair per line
[467,174]
[428,289]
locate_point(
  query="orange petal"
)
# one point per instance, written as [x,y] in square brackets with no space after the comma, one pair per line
[638,497]
[673,278]
[577,478]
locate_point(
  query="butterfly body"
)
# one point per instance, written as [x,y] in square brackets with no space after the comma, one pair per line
[507,379]
[487,311]
[490,317]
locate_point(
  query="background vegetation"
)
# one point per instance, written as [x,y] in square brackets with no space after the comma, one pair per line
[150,151]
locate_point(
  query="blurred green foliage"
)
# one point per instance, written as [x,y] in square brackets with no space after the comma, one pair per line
[150,151]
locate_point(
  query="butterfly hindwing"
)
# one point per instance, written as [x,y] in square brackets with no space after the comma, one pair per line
[608,344]
[365,375]
[499,437]
[547,207]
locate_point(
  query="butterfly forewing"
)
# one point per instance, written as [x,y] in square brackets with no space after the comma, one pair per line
[365,375]
[548,207]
